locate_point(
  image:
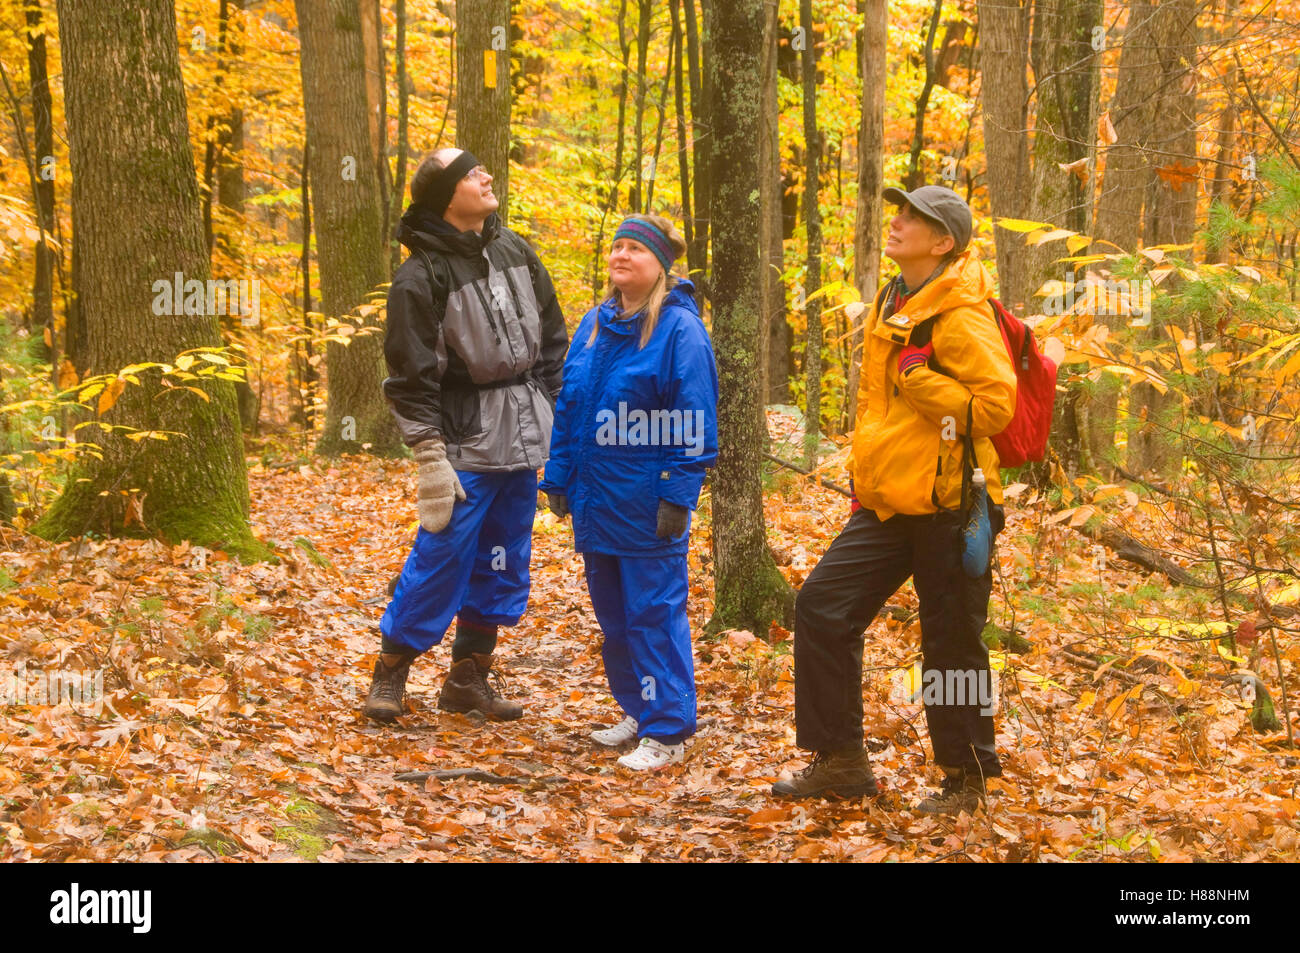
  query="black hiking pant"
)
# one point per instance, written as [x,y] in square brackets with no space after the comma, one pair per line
[863,567]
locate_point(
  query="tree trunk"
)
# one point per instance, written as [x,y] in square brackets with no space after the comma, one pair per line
[673,53]
[1171,210]
[483,89]
[1123,191]
[638,119]
[775,377]
[1067,83]
[871,178]
[349,222]
[1004,90]
[43,142]
[698,52]
[307,373]
[915,176]
[598,273]
[812,218]
[403,146]
[372,39]
[136,218]
[749,591]
[224,175]
[679,102]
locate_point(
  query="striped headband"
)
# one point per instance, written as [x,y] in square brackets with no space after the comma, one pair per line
[639,230]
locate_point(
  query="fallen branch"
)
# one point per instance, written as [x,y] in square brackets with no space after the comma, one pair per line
[1130,550]
[830,485]
[476,774]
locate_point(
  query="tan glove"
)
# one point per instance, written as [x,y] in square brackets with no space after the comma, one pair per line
[439,486]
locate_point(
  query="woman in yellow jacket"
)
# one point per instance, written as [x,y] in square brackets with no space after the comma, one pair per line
[933,359]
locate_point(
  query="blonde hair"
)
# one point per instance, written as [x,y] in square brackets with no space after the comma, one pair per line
[655,301]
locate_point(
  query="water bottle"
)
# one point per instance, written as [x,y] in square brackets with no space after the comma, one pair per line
[977,537]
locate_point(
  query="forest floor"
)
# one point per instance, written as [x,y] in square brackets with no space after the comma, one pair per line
[231,725]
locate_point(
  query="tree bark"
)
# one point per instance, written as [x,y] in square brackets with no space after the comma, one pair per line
[638,118]
[1004,90]
[403,134]
[598,275]
[349,221]
[915,177]
[775,376]
[43,144]
[372,39]
[1171,212]
[483,99]
[698,53]
[750,591]
[871,178]
[812,217]
[1067,83]
[136,219]
[683,148]
[673,53]
[1123,190]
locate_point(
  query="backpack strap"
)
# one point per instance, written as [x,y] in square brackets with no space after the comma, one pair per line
[968,461]
[438,276]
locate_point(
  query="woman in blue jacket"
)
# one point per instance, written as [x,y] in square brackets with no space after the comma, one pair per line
[635,430]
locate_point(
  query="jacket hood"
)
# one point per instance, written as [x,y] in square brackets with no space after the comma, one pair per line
[420,228]
[964,282]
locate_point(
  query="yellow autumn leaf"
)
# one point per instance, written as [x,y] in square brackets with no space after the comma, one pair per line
[1054,235]
[1021,225]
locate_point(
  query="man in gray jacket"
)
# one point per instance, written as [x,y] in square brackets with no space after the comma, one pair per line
[475,345]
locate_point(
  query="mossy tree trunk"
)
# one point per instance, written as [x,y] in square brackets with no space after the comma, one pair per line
[749,591]
[347,207]
[136,220]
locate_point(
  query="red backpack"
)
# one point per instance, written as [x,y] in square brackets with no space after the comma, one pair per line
[1025,438]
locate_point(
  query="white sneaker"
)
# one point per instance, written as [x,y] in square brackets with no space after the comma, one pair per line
[651,755]
[625,730]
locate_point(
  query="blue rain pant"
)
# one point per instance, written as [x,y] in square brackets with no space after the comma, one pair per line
[640,603]
[477,567]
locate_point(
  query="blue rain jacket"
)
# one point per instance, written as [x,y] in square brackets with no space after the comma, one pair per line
[634,426]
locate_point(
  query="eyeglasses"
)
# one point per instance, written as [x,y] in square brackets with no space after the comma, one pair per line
[476,173]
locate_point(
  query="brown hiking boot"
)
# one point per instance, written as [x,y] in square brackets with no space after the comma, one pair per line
[467,689]
[961,792]
[387,698]
[837,774]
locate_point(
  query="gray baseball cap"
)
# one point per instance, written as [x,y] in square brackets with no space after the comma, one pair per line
[941,204]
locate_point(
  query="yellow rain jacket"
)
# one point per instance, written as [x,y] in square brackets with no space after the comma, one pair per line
[901,461]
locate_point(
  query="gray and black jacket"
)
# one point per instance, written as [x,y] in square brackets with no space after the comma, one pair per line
[475,344]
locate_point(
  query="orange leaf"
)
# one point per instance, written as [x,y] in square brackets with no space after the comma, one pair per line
[1177,174]
[110,395]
